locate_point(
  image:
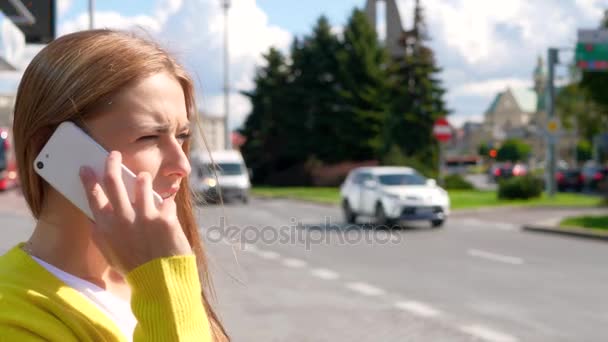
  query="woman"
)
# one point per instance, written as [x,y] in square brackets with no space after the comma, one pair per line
[73,279]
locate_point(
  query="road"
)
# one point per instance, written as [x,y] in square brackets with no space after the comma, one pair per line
[299,274]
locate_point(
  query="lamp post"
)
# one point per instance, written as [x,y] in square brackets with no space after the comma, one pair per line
[227,142]
[91,15]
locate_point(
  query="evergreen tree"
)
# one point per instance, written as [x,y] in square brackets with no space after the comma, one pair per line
[262,128]
[364,90]
[314,90]
[417,95]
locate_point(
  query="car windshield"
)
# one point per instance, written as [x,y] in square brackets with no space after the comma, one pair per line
[402,179]
[224,169]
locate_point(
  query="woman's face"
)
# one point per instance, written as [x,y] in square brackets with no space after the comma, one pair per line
[148,123]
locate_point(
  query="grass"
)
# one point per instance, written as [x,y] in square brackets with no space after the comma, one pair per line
[460,199]
[591,222]
[321,194]
[470,199]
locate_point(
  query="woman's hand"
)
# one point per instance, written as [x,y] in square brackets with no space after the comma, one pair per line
[131,234]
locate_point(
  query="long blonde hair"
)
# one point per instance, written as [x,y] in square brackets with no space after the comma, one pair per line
[68,80]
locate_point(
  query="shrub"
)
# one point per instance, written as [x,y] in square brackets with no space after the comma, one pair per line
[457,182]
[520,188]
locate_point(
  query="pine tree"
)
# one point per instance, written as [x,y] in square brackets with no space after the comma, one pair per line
[314,90]
[417,93]
[364,90]
[266,138]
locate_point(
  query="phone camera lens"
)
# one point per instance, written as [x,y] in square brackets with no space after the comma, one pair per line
[40,165]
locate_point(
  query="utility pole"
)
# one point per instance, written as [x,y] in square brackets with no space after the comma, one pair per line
[227,141]
[551,138]
[91,13]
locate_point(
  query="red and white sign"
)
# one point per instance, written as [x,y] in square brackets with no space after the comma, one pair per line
[442,130]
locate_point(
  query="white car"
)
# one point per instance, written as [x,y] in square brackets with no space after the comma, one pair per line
[232,176]
[393,195]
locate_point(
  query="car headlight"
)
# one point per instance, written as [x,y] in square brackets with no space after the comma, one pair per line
[210,182]
[391,196]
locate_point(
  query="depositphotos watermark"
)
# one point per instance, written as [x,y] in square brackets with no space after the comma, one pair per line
[298,233]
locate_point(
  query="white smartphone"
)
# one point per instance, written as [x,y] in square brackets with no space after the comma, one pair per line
[59,162]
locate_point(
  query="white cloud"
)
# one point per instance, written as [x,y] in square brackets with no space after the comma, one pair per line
[111,20]
[194,32]
[489,87]
[240,106]
[63,6]
[485,46]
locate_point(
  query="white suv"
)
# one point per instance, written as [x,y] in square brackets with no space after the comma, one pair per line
[392,195]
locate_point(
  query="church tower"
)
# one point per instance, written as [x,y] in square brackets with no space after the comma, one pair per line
[394,27]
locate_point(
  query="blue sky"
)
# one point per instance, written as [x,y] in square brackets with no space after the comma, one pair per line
[482,46]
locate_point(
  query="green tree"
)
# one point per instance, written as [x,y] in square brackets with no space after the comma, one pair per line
[583,151]
[266,138]
[513,150]
[578,111]
[315,89]
[363,90]
[417,95]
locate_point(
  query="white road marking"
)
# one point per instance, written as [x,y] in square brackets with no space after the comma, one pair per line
[487,224]
[270,255]
[294,263]
[250,248]
[495,257]
[365,289]
[325,274]
[487,334]
[418,308]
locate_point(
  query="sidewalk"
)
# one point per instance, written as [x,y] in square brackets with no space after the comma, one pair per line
[552,226]
[13,203]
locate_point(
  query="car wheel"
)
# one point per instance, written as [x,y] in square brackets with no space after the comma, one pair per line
[349,215]
[381,219]
[245,199]
[437,223]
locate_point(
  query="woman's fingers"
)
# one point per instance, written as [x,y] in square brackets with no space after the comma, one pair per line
[115,187]
[144,201]
[95,195]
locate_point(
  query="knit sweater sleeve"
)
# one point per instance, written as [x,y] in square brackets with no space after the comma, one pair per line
[166,300]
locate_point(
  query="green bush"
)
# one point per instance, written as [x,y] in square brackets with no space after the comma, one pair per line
[395,157]
[457,182]
[520,188]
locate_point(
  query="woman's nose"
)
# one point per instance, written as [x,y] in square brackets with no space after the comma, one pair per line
[177,161]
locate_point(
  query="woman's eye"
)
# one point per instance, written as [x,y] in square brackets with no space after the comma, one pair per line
[183,137]
[148,137]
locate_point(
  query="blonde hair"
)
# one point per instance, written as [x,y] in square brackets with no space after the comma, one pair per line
[68,80]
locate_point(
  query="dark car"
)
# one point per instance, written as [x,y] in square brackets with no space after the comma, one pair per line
[507,170]
[593,176]
[570,179]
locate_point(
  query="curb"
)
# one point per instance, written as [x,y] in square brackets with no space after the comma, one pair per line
[568,231]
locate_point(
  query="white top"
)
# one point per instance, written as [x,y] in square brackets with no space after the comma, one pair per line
[117,309]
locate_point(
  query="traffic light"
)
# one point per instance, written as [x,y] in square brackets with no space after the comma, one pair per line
[493,153]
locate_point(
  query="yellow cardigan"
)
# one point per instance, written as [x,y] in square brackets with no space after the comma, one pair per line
[36,306]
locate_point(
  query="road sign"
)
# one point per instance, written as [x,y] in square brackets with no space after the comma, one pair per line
[553,126]
[442,130]
[592,50]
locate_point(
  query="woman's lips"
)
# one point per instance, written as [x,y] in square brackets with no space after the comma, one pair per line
[168,193]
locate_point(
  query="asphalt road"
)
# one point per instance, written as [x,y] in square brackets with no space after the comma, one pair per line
[291,271]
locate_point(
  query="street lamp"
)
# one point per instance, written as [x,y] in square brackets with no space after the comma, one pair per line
[227,142]
[91,14]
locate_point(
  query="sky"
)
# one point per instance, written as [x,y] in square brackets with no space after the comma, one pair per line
[482,46]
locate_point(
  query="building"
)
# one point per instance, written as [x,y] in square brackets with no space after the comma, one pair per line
[7,102]
[520,113]
[213,130]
